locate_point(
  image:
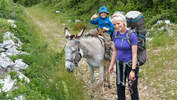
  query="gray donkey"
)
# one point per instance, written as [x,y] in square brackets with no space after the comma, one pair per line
[90,47]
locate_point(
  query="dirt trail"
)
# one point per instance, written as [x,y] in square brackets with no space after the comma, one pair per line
[145,92]
[53,32]
[50,29]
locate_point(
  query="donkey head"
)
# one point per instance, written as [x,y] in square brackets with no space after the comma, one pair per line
[72,50]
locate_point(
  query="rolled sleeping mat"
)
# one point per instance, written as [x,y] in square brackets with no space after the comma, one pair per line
[135,19]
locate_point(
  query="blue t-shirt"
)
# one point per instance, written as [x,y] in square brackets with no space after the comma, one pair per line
[103,22]
[124,50]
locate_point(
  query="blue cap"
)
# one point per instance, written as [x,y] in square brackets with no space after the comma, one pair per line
[103,9]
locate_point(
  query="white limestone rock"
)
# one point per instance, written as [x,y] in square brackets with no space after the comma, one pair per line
[8,44]
[58,11]
[8,84]
[22,76]
[8,36]
[149,39]
[159,22]
[12,22]
[12,51]
[11,36]
[167,22]
[21,97]
[77,20]
[1,49]
[19,65]
[163,21]
[5,61]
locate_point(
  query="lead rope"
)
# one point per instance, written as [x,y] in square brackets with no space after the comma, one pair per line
[97,85]
[130,82]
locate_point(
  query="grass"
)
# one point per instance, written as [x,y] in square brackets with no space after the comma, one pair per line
[48,25]
[162,73]
[50,71]
[46,71]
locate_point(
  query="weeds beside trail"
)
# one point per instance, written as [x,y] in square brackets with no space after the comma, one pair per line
[44,40]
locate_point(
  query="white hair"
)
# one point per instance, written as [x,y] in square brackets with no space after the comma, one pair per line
[119,16]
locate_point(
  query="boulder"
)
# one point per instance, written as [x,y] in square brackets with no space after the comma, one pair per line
[12,51]
[19,65]
[21,97]
[12,22]
[11,36]
[8,44]
[5,61]
[8,84]
[22,76]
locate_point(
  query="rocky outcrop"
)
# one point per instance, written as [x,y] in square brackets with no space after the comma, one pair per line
[11,46]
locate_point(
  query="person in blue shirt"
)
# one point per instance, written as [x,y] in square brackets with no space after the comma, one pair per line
[103,22]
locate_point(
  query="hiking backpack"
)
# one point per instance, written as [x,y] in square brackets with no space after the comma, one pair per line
[136,23]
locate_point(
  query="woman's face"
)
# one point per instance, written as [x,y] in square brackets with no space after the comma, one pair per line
[103,15]
[118,25]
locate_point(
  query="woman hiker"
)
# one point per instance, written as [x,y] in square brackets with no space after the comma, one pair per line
[125,56]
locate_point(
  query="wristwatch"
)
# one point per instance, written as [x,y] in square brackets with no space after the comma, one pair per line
[133,70]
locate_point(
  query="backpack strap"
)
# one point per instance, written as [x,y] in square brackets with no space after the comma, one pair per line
[128,36]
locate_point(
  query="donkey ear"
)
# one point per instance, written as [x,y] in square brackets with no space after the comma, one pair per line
[82,32]
[66,31]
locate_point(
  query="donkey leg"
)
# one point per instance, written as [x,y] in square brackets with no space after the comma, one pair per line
[108,80]
[101,80]
[101,74]
[107,77]
[92,78]
[91,70]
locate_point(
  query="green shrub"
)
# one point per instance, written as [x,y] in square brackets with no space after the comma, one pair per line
[153,10]
[28,2]
[8,9]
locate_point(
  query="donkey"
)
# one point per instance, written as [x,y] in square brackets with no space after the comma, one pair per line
[87,46]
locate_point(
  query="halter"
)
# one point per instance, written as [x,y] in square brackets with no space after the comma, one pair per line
[75,61]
